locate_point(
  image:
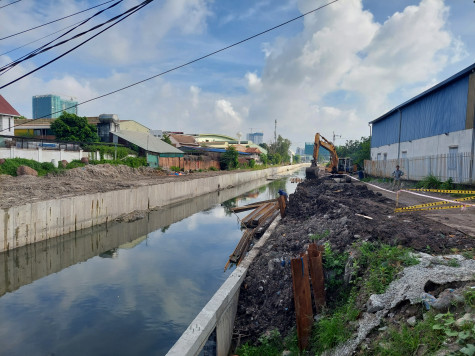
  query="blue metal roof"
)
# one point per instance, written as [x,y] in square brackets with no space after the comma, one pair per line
[446,82]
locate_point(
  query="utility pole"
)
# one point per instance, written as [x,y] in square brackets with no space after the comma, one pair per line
[335,136]
[275,132]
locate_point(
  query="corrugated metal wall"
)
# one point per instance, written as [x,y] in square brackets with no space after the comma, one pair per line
[442,111]
[455,166]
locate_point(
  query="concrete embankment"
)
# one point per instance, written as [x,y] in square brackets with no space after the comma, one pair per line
[39,221]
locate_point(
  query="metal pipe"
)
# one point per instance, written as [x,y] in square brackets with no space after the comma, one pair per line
[399,138]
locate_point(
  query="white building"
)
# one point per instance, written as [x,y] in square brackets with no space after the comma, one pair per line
[7,117]
[432,133]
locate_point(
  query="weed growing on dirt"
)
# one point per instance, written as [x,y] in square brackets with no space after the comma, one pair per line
[270,344]
[421,339]
[453,262]
[316,237]
[334,265]
[381,264]
[429,182]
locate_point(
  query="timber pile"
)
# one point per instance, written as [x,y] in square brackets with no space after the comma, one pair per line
[256,223]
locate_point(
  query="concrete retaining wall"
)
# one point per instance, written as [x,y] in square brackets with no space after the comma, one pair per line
[219,313]
[34,222]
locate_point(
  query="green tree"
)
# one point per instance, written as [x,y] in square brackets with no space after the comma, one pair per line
[297,159]
[281,147]
[264,158]
[229,159]
[357,150]
[166,138]
[70,127]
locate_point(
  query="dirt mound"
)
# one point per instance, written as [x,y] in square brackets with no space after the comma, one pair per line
[340,214]
[113,171]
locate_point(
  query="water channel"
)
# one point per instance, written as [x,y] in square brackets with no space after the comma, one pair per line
[125,289]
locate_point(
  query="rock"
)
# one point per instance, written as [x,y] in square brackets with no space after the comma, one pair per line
[286,353]
[2,160]
[374,304]
[467,318]
[412,321]
[26,171]
[64,163]
[85,160]
[444,301]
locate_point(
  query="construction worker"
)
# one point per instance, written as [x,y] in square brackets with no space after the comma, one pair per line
[397,174]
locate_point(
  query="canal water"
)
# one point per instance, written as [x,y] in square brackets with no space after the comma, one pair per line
[125,289]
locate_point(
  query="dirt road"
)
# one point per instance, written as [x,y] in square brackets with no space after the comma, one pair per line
[460,219]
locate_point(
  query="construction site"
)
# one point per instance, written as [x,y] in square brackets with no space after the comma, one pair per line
[334,222]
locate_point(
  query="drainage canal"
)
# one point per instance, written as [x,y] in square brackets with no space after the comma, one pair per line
[128,289]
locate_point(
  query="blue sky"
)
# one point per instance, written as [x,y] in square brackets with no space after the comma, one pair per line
[333,71]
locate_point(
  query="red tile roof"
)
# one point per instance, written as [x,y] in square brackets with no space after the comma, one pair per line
[6,108]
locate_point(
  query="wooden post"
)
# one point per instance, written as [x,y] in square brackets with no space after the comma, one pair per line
[282,204]
[316,274]
[302,300]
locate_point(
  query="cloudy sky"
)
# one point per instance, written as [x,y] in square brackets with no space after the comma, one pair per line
[331,72]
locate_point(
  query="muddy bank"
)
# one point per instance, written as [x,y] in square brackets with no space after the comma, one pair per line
[340,214]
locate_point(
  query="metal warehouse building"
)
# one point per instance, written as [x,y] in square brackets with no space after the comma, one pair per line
[432,133]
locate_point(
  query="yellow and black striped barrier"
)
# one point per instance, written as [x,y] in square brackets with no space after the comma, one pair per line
[409,208]
[444,191]
[437,205]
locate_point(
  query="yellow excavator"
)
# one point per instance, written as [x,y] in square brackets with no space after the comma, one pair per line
[337,165]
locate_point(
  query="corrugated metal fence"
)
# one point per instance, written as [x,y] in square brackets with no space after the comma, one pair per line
[455,166]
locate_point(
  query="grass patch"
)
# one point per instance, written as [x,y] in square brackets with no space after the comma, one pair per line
[11,165]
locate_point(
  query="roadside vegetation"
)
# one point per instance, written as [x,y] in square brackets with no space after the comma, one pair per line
[11,165]
[373,267]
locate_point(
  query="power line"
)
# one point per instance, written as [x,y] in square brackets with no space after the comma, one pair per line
[1,7]
[39,39]
[187,63]
[130,12]
[42,49]
[62,18]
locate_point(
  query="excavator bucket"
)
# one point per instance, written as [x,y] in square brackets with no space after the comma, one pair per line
[311,172]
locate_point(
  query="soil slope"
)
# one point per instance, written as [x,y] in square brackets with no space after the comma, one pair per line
[338,213]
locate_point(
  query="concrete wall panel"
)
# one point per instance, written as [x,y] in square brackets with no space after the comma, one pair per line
[38,221]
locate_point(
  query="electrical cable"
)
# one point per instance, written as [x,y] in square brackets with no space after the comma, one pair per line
[131,12]
[42,49]
[1,7]
[187,63]
[39,39]
[62,18]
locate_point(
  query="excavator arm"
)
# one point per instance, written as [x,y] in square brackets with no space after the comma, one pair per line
[320,141]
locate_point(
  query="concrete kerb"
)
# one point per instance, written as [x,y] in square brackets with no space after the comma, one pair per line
[222,305]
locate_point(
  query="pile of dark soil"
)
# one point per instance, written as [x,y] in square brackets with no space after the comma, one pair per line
[338,213]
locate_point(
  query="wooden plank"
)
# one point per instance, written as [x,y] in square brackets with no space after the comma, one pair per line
[247,221]
[302,300]
[269,208]
[251,206]
[317,276]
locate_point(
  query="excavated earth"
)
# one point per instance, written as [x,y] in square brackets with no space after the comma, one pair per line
[340,214]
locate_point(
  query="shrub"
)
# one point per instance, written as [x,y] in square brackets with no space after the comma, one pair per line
[429,182]
[175,168]
[11,165]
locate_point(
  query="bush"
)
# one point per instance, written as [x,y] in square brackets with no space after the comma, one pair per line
[11,165]
[429,182]
[213,168]
[122,152]
[175,169]
[252,163]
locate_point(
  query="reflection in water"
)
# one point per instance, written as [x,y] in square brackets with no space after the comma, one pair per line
[67,296]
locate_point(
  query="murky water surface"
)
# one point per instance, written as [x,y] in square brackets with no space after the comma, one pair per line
[130,289]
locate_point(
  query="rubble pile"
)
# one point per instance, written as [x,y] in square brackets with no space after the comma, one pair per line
[340,214]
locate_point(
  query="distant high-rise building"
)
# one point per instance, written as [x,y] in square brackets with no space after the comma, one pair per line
[52,106]
[256,137]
